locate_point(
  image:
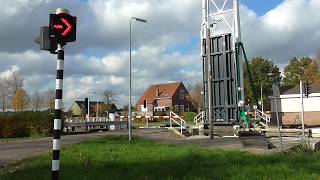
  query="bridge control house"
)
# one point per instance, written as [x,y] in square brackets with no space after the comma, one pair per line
[164,98]
[289,106]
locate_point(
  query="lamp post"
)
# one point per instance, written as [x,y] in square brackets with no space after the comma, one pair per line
[276,95]
[129,106]
[97,112]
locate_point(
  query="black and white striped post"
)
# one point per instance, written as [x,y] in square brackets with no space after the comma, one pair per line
[61,29]
[57,114]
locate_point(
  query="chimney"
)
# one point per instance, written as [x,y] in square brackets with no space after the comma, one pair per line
[157,91]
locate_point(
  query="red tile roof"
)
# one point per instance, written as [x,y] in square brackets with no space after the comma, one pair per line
[165,91]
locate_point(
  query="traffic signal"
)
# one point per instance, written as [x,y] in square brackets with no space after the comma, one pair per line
[307,88]
[62,28]
[144,104]
[86,104]
[45,42]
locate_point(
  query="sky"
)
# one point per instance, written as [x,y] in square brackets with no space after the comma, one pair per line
[165,49]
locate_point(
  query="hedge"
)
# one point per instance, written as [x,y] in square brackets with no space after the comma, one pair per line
[24,124]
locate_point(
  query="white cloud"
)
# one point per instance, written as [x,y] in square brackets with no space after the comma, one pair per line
[291,29]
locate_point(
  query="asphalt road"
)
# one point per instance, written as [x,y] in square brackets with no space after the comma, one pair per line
[17,150]
[14,151]
[21,149]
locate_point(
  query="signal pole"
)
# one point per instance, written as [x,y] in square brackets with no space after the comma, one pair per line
[57,114]
[52,38]
[302,109]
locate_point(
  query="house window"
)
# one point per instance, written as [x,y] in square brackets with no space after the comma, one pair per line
[181,108]
[181,94]
[187,108]
[176,108]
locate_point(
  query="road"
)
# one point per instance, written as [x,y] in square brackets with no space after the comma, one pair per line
[14,151]
[21,149]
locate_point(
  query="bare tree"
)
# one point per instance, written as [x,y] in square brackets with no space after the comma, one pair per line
[37,101]
[109,97]
[196,96]
[4,91]
[49,100]
[14,82]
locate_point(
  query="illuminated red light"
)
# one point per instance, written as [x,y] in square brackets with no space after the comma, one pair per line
[58,26]
[69,27]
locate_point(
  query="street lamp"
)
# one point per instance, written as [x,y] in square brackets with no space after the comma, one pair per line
[129,108]
[97,113]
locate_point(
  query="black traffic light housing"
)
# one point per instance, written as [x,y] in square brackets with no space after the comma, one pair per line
[45,42]
[62,28]
[307,88]
[86,105]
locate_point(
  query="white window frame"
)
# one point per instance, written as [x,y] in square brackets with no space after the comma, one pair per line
[176,108]
[181,108]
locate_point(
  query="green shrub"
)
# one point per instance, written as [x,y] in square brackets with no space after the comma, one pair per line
[188,116]
[24,124]
[305,147]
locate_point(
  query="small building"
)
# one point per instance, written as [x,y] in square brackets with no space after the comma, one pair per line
[78,108]
[164,98]
[289,106]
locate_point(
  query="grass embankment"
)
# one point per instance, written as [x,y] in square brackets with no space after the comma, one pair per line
[115,158]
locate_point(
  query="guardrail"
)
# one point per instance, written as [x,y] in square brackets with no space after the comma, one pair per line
[182,123]
[263,116]
[199,119]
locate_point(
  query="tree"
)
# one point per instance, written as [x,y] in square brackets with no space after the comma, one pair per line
[20,101]
[260,68]
[100,108]
[36,101]
[196,97]
[49,100]
[109,97]
[294,70]
[312,72]
[4,94]
[14,82]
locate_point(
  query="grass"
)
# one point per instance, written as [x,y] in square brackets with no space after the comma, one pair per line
[115,158]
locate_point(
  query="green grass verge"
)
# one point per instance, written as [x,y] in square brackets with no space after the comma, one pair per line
[115,158]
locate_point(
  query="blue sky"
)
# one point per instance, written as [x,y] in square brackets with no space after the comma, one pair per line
[261,6]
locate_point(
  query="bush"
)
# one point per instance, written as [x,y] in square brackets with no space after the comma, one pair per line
[188,116]
[24,124]
[304,147]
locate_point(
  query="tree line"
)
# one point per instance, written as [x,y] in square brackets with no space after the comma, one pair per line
[14,96]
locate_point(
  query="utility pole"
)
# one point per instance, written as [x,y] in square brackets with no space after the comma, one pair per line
[276,94]
[209,72]
[302,109]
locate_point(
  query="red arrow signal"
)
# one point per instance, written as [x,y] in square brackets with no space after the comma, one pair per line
[62,28]
[68,29]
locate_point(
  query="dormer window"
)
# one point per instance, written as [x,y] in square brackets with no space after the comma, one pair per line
[181,94]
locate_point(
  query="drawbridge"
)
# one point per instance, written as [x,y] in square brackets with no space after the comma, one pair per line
[223,58]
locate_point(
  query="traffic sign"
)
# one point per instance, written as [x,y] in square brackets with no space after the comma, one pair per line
[62,27]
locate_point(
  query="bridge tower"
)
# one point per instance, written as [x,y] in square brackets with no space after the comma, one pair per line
[222,63]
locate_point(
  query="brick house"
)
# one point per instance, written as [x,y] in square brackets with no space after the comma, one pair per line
[164,98]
